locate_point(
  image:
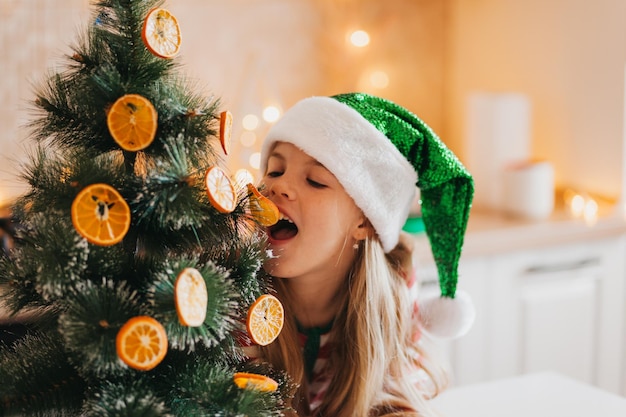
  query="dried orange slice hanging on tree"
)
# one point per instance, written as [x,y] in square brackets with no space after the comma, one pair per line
[101,215]
[190,295]
[220,190]
[132,122]
[265,320]
[263,210]
[141,343]
[226,127]
[246,380]
[161,33]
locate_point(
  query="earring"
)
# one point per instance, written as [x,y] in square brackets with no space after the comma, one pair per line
[355,246]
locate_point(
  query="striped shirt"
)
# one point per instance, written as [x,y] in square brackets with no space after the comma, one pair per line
[316,365]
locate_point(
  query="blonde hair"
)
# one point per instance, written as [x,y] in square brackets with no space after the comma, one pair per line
[372,341]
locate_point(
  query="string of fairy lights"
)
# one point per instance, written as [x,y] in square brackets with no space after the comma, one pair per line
[253,126]
[579,205]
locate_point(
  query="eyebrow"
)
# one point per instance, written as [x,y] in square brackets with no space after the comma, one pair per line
[276,155]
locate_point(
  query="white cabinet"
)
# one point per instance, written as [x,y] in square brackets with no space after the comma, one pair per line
[557,323]
[554,308]
[560,309]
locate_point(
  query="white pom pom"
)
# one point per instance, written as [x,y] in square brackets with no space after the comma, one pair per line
[444,317]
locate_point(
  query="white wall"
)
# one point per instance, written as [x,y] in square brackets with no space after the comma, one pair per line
[568,56]
[34,34]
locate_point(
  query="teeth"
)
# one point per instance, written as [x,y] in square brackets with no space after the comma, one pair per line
[283,217]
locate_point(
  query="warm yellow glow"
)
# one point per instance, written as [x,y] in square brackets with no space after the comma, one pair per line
[359,38]
[271,114]
[243,177]
[577,205]
[590,213]
[255,160]
[379,79]
[568,193]
[250,122]
[582,206]
[247,138]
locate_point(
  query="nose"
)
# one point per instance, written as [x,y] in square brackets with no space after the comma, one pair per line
[281,186]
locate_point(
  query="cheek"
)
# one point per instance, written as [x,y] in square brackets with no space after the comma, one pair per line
[335,217]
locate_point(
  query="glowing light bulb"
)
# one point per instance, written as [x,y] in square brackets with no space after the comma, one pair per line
[359,38]
[247,139]
[379,79]
[271,114]
[577,205]
[250,122]
[590,213]
[243,176]
[255,160]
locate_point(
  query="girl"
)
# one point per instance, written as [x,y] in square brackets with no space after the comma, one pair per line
[342,170]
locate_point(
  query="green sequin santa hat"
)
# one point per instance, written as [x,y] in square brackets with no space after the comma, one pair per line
[379,152]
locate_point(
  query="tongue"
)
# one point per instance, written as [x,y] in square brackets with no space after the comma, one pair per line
[283,233]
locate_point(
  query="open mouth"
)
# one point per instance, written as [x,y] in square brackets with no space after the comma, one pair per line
[284,229]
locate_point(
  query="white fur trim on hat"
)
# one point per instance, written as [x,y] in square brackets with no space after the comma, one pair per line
[380,180]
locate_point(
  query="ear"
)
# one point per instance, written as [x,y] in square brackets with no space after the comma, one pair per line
[363,229]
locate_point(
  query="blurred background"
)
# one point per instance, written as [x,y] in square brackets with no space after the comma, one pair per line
[564,59]
[528,93]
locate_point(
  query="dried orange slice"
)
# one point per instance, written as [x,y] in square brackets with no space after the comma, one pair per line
[248,380]
[141,343]
[265,320]
[220,190]
[262,208]
[132,122]
[101,215]
[226,127]
[191,297]
[161,33]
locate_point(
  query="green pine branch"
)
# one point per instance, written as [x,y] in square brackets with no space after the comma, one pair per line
[221,319]
[74,296]
[37,379]
[207,389]
[93,313]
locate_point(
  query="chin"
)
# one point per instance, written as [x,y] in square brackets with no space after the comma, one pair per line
[273,267]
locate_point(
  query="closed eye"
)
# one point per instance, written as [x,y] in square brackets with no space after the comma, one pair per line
[315,184]
[274,174]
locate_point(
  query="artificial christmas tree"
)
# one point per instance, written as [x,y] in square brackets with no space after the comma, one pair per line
[136,266]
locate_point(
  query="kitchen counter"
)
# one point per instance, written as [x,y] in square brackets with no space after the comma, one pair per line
[538,395]
[491,233]
[528,278]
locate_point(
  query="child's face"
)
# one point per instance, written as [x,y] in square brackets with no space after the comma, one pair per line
[323,220]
